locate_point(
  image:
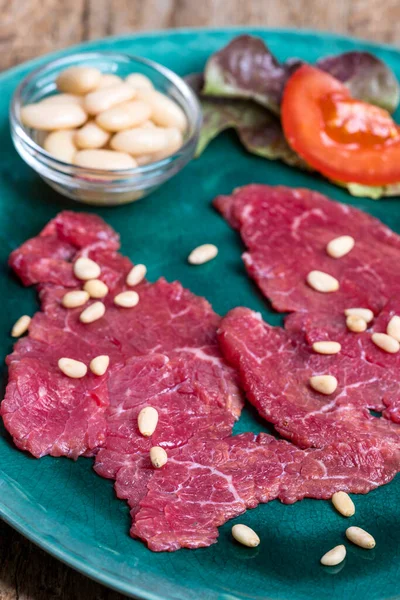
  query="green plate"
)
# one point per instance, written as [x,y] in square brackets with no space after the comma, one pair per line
[71,512]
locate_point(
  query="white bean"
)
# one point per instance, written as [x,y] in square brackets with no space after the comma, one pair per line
[96,288]
[91,136]
[108,79]
[60,144]
[139,81]
[72,368]
[86,268]
[21,326]
[136,275]
[175,141]
[103,99]
[47,117]
[63,99]
[334,556]
[124,116]
[147,421]
[140,140]
[107,160]
[165,112]
[99,364]
[78,80]
[245,535]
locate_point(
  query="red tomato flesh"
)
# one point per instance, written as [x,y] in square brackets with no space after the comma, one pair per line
[342,138]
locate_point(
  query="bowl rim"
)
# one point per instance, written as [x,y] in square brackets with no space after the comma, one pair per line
[183,87]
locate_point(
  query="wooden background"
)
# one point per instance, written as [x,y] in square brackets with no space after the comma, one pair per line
[29,28]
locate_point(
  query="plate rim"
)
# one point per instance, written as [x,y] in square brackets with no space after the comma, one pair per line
[13,519]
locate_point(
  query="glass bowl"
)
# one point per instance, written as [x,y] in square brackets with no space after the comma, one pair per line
[94,186]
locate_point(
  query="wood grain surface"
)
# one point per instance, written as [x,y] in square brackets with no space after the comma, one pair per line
[29,28]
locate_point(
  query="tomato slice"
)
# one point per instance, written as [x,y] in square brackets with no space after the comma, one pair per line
[342,138]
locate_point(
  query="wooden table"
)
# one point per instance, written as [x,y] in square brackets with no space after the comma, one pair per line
[29,28]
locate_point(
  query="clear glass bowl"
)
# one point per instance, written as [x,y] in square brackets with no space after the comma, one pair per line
[94,186]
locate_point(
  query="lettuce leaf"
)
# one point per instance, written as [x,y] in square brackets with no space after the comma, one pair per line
[246,68]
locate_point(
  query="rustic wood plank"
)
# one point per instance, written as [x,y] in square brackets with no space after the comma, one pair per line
[29,28]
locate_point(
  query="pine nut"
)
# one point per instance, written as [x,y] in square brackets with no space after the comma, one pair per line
[322,282]
[72,368]
[326,347]
[96,288]
[92,313]
[86,268]
[140,140]
[103,99]
[340,246]
[245,535]
[343,504]
[356,324]
[47,117]
[139,81]
[385,342]
[334,556]
[136,275]
[364,313]
[124,116]
[324,384]
[360,537]
[60,144]
[202,254]
[91,136]
[147,421]
[165,112]
[21,326]
[78,80]
[107,160]
[74,299]
[158,457]
[126,299]
[108,79]
[99,364]
[393,328]
[63,99]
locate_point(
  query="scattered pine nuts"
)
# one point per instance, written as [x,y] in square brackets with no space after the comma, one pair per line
[136,275]
[360,537]
[202,254]
[99,364]
[334,556]
[343,504]
[364,313]
[340,246]
[326,347]
[21,326]
[96,288]
[78,80]
[86,268]
[356,324]
[147,421]
[158,457]
[126,299]
[322,282]
[75,298]
[324,384]
[245,535]
[393,328]
[92,313]
[72,368]
[385,342]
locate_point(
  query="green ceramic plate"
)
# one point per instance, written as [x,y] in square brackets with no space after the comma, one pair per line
[70,511]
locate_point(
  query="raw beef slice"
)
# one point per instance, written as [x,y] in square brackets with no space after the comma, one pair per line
[163,353]
[286,232]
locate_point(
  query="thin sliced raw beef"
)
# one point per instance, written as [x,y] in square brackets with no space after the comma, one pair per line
[275,367]
[286,232]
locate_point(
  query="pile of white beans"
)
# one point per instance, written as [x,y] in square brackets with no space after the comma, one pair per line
[100,121]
